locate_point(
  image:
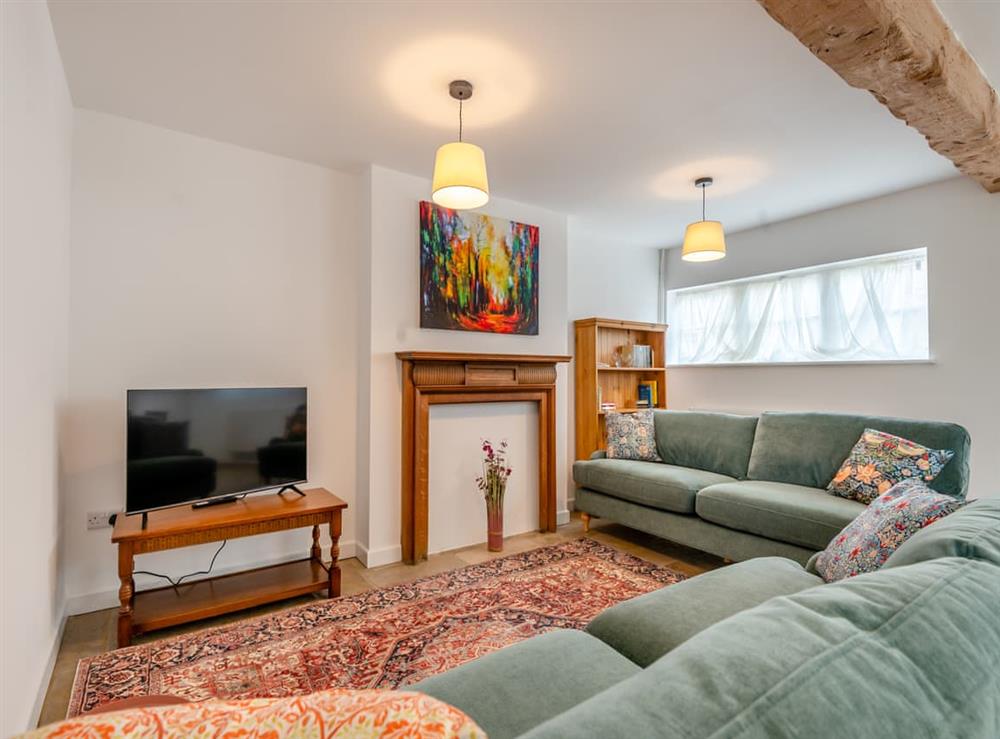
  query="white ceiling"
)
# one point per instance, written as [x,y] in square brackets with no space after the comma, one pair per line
[606,111]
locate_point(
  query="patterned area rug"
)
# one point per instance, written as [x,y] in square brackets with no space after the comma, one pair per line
[384,638]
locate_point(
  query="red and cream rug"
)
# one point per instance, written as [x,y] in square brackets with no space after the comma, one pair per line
[384,638]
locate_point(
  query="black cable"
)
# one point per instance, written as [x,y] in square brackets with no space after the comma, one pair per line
[182,578]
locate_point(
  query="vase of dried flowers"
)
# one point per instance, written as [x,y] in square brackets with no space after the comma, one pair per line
[493,484]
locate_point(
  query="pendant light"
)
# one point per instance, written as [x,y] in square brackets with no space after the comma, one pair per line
[459,167]
[704,241]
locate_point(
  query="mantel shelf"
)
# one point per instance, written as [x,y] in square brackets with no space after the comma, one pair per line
[412,356]
[631,369]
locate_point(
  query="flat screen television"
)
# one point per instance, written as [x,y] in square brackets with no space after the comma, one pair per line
[203,446]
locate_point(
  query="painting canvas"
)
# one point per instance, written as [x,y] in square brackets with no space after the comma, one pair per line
[477,273]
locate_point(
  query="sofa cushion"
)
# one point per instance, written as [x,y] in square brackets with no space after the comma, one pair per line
[809,448]
[799,515]
[896,654]
[630,436]
[324,713]
[972,532]
[645,628]
[511,690]
[867,542]
[716,442]
[880,460]
[654,484]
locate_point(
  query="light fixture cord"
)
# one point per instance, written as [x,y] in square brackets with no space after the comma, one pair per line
[703,188]
[459,119]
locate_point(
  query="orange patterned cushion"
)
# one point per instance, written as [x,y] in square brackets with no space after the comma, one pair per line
[880,460]
[357,714]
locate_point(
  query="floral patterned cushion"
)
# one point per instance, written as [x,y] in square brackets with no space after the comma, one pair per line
[892,518]
[630,436]
[880,460]
[357,714]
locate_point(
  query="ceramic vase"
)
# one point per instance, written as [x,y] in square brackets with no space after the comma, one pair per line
[494,524]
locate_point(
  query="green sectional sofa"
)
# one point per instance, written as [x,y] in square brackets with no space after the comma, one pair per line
[747,486]
[765,648]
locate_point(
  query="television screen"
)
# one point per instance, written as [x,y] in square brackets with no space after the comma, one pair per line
[186,446]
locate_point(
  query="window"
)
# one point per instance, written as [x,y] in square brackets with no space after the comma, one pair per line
[863,310]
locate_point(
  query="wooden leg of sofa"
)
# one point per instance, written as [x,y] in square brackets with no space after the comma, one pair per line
[585,517]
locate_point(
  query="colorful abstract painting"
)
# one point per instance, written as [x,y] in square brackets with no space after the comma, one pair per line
[477,273]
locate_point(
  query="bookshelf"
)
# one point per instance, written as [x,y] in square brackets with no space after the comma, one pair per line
[596,340]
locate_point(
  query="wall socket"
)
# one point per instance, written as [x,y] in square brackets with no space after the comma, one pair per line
[100,519]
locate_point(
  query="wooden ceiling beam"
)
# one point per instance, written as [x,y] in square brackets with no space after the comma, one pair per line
[905,54]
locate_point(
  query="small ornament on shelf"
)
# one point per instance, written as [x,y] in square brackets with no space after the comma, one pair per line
[622,356]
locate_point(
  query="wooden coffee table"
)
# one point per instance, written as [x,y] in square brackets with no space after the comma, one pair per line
[265,513]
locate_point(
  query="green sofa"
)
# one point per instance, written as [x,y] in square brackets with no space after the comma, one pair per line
[765,648]
[747,486]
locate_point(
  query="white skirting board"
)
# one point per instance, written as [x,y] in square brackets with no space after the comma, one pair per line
[368,557]
[391,555]
[43,688]
[109,598]
[378,557]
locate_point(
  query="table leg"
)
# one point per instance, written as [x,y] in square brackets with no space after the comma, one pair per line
[316,554]
[333,590]
[126,594]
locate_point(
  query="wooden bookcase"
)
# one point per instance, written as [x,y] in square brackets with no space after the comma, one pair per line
[596,341]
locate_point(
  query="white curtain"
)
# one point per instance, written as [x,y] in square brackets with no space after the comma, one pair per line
[864,310]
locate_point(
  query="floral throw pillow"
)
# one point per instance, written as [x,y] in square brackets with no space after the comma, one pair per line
[630,436]
[351,714]
[880,460]
[866,543]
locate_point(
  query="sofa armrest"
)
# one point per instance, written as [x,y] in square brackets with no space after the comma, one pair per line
[646,628]
[514,689]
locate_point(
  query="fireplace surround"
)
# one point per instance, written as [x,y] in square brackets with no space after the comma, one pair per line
[431,378]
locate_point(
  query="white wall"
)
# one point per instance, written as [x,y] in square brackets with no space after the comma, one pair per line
[457,511]
[202,264]
[394,320]
[607,279]
[959,223]
[611,280]
[37,134]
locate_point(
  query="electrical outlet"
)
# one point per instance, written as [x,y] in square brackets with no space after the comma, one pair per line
[99,519]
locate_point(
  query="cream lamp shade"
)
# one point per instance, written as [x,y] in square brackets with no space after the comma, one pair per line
[704,241]
[460,176]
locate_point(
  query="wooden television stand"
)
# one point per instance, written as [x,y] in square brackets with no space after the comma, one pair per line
[172,528]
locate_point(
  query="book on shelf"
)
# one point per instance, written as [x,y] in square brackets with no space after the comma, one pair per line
[642,355]
[645,394]
[648,392]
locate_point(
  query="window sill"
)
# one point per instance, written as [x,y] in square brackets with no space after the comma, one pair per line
[824,363]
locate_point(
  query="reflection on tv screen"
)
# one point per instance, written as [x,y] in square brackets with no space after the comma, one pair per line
[190,445]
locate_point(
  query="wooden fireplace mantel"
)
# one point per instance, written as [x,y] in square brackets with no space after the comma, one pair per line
[431,378]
